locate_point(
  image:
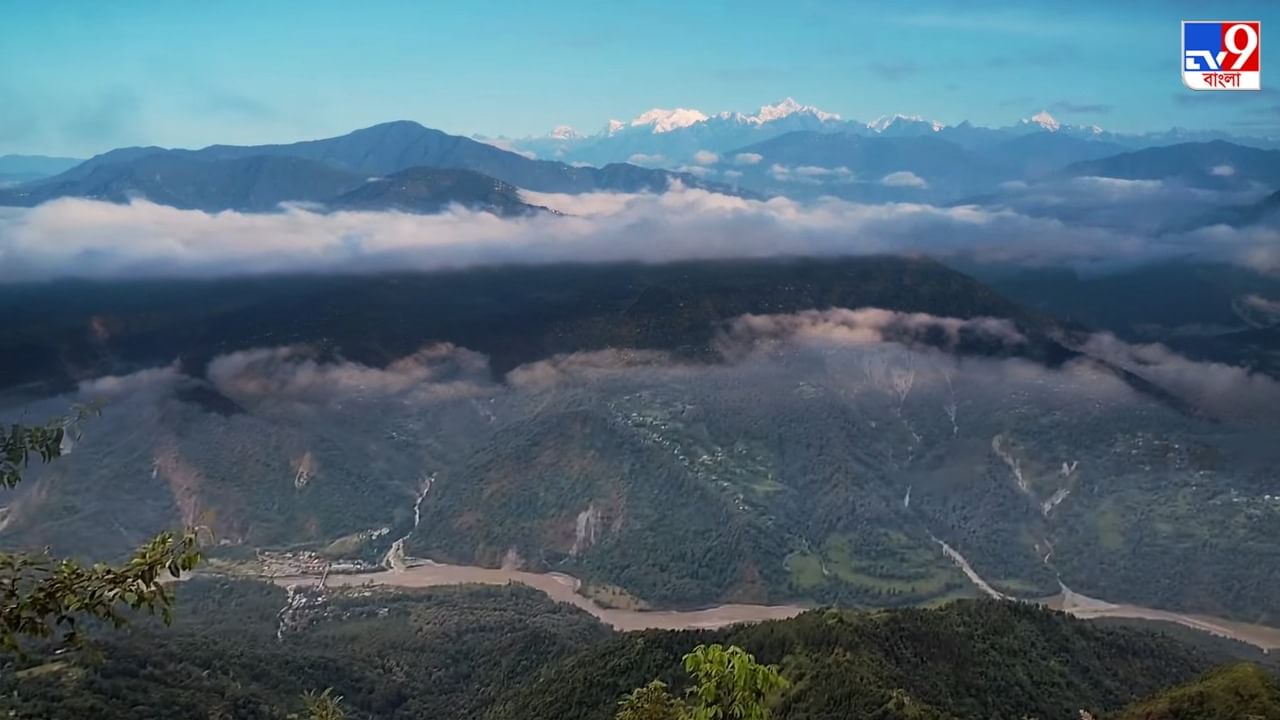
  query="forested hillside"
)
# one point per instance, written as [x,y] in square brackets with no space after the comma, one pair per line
[442,653]
[1233,692]
[508,653]
[674,435]
[969,659]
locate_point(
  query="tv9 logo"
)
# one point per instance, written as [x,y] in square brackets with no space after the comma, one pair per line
[1222,54]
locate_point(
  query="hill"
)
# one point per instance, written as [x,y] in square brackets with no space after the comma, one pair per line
[862,167]
[512,314]
[1234,692]
[942,166]
[391,147]
[430,190]
[835,431]
[498,653]
[257,177]
[441,653]
[965,660]
[1035,155]
[1208,311]
[24,168]
[1215,164]
[253,184]
[1253,213]
[260,183]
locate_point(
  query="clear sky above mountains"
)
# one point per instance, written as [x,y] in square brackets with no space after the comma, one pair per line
[83,77]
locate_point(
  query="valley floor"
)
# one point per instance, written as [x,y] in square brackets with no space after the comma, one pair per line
[557,586]
[418,573]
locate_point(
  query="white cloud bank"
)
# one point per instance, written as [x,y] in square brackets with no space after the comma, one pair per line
[1222,390]
[290,376]
[292,373]
[751,333]
[109,386]
[647,160]
[903,178]
[76,237]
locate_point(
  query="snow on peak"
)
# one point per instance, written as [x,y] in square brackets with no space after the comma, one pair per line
[1044,120]
[667,120]
[884,122]
[787,107]
[564,132]
[784,108]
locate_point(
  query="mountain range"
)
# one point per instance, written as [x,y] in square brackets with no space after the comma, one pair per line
[1210,165]
[674,138]
[15,169]
[260,177]
[261,183]
[783,150]
[676,434]
[862,432]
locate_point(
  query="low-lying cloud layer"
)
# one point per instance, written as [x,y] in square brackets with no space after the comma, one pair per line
[751,333]
[76,237]
[1147,208]
[1216,388]
[291,373]
[110,386]
[894,350]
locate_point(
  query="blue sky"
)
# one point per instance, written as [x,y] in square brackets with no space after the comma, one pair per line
[81,77]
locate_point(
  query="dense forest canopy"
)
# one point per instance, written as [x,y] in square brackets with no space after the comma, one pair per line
[502,653]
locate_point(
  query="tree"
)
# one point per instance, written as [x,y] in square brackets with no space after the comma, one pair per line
[323,705]
[41,595]
[651,702]
[728,684]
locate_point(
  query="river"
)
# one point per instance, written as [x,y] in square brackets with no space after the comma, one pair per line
[564,588]
[1087,608]
[561,587]
[402,571]
[1083,606]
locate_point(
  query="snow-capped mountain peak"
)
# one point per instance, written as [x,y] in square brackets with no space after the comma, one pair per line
[787,107]
[1044,120]
[614,126]
[564,132]
[885,122]
[667,120]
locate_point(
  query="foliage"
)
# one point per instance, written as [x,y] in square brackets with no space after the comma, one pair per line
[41,595]
[809,484]
[506,653]
[513,314]
[1234,692]
[728,684]
[323,705]
[969,659]
[446,652]
[19,442]
[651,702]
